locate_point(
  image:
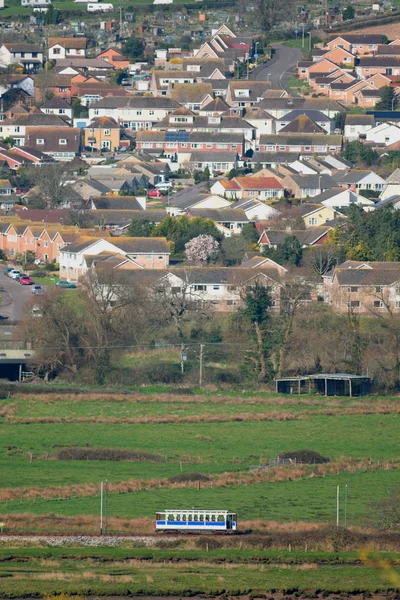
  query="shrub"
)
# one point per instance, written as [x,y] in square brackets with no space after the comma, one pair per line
[183,477]
[308,457]
[41,273]
[112,454]
[161,372]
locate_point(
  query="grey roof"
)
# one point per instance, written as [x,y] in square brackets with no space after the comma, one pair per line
[327,194]
[123,218]
[361,277]
[359,119]
[315,115]
[314,181]
[274,157]
[93,183]
[301,140]
[394,177]
[379,61]
[353,176]
[220,215]
[306,237]
[392,201]
[147,102]
[116,203]
[358,38]
[205,156]
[300,103]
[56,102]
[190,196]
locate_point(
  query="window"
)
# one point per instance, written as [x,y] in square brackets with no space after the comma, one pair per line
[200,288]
[379,289]
[215,287]
[96,111]
[107,132]
[397,303]
[353,304]
[378,304]
[62,89]
[62,142]
[312,221]
[40,141]
[151,113]
[176,290]
[46,244]
[353,289]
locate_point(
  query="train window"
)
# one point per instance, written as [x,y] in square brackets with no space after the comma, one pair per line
[190,517]
[212,517]
[183,517]
[207,517]
[170,518]
[221,518]
[201,517]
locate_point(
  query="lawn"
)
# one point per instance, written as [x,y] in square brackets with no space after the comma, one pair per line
[118,572]
[234,444]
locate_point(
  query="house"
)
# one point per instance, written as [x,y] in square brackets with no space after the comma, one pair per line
[263,122]
[62,143]
[340,198]
[102,133]
[371,65]
[246,93]
[372,289]
[356,126]
[256,210]
[317,215]
[357,44]
[16,82]
[307,186]
[193,96]
[391,187]
[54,84]
[384,134]
[220,289]
[244,188]
[306,237]
[66,47]
[229,221]
[220,162]
[358,179]
[30,56]
[147,253]
[179,146]
[300,143]
[279,107]
[305,122]
[16,128]
[57,106]
[195,196]
[133,112]
[115,58]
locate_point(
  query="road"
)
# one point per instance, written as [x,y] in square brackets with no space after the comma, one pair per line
[280,68]
[14,296]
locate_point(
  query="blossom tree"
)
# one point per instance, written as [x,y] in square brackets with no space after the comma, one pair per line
[201,249]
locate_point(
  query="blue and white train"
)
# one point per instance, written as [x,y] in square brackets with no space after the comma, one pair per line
[196,520]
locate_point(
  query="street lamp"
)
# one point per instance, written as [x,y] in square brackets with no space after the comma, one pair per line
[255,53]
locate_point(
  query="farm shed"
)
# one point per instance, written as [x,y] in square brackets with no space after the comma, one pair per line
[328,384]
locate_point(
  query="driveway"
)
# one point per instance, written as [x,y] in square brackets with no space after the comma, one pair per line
[14,296]
[280,68]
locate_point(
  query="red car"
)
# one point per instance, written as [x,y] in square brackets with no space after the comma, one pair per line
[154,193]
[25,280]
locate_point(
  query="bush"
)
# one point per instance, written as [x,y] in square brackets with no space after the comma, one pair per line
[41,273]
[105,454]
[308,457]
[187,477]
[161,372]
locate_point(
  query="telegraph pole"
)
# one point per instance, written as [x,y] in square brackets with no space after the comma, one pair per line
[345,504]
[201,365]
[337,505]
[101,508]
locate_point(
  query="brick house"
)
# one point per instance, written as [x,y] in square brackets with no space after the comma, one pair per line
[304,144]
[356,44]
[115,58]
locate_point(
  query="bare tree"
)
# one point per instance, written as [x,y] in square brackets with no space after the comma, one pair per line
[322,258]
[52,188]
[271,12]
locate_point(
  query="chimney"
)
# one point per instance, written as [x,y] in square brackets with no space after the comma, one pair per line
[353,187]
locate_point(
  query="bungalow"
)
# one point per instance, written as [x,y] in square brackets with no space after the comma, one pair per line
[357,44]
[317,215]
[388,65]
[306,237]
[340,198]
[359,179]
[229,221]
[307,186]
[392,186]
[305,122]
[384,134]
[256,210]
[244,188]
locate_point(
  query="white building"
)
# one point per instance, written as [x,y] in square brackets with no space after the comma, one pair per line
[384,133]
[30,56]
[67,47]
[134,112]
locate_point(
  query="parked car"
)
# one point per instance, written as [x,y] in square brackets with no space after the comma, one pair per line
[25,280]
[37,290]
[66,284]
[14,273]
[7,271]
[164,186]
[154,193]
[18,277]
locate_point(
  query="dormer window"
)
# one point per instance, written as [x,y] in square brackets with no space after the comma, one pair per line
[243,93]
[214,119]
[40,141]
[62,142]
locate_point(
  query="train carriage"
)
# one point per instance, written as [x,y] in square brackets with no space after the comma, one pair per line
[196,520]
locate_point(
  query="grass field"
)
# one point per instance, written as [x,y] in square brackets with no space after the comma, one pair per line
[33,431]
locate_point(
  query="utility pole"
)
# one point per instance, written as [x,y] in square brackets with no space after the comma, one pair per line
[201,365]
[337,505]
[101,508]
[106,510]
[345,504]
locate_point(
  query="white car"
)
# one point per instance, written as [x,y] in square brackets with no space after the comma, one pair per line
[14,273]
[164,186]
